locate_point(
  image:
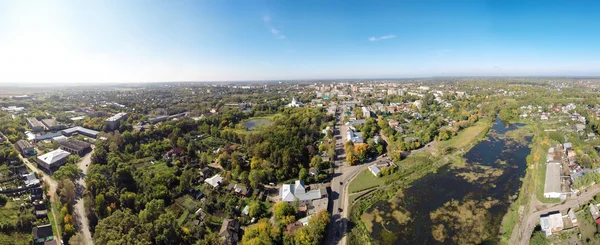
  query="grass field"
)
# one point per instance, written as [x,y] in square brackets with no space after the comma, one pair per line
[466,137]
[364,180]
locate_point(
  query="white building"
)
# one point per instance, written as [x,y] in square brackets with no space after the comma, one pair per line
[374,170]
[551,223]
[291,192]
[53,160]
[215,180]
[552,187]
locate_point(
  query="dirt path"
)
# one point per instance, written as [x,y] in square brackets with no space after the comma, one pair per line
[79,208]
[52,185]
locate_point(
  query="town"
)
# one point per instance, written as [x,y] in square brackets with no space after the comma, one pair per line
[293,161]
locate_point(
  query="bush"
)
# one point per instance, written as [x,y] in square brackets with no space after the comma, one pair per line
[3,199]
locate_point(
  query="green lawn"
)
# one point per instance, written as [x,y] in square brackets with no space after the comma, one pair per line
[364,180]
[9,214]
[466,136]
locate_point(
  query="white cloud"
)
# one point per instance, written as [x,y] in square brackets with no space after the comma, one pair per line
[277,34]
[267,19]
[374,39]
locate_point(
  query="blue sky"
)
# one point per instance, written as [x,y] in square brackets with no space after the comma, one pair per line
[206,40]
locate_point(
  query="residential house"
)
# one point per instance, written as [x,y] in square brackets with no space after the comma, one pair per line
[551,223]
[297,191]
[25,147]
[36,194]
[214,181]
[40,210]
[230,231]
[42,234]
[53,160]
[31,180]
[172,153]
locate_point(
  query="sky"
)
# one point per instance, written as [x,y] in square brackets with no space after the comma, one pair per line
[80,42]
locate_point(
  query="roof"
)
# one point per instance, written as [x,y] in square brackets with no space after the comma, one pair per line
[286,194]
[49,122]
[80,130]
[246,210]
[34,122]
[42,231]
[47,136]
[305,220]
[22,144]
[54,156]
[116,117]
[374,169]
[552,178]
[76,145]
[568,145]
[229,226]
[215,180]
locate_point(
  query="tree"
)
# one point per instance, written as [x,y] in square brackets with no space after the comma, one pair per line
[67,190]
[152,211]
[3,199]
[122,227]
[256,177]
[303,174]
[282,209]
[185,180]
[316,162]
[76,239]
[68,171]
[538,238]
[255,209]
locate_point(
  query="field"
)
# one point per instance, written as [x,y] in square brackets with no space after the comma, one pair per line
[363,181]
[466,137]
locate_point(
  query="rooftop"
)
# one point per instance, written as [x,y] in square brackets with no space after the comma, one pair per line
[552,178]
[116,117]
[54,156]
[80,130]
[76,144]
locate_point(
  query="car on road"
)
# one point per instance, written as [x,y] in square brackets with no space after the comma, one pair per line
[341,183]
[340,210]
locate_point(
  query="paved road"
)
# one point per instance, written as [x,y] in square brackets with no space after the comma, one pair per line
[79,208]
[339,188]
[533,218]
[52,185]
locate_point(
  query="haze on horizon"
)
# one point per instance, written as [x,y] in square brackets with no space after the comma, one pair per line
[78,42]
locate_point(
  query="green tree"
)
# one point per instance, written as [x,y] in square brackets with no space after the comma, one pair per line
[538,238]
[152,211]
[303,174]
[282,209]
[255,209]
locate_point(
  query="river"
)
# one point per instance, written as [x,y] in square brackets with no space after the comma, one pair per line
[459,204]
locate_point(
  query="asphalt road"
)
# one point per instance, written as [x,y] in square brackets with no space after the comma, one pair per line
[339,185]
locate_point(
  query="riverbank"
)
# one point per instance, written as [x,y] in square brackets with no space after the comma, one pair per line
[413,168]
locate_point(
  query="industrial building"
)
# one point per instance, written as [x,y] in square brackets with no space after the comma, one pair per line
[76,147]
[51,124]
[35,125]
[114,121]
[80,130]
[25,148]
[53,160]
[552,187]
